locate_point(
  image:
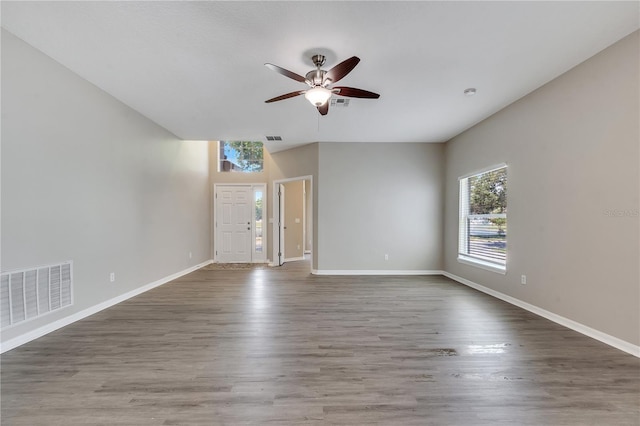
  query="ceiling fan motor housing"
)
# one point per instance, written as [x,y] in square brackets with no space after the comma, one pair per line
[315,77]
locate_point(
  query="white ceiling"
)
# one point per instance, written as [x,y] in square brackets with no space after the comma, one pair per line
[196,68]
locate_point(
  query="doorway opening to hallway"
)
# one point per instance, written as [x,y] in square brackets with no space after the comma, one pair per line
[293,219]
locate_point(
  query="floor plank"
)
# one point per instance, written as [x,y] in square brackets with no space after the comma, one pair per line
[280,346]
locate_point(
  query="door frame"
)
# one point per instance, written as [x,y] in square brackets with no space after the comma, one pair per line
[253,186]
[282,197]
[279,260]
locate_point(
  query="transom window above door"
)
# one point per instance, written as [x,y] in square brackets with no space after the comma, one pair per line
[241,156]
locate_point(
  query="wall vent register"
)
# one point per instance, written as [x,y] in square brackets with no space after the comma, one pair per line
[340,102]
[30,293]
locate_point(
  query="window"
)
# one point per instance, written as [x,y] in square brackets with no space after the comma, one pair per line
[259,229]
[240,156]
[483,219]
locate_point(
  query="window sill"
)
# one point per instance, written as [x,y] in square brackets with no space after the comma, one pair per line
[499,269]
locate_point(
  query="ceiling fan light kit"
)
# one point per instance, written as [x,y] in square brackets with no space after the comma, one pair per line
[319,80]
[318,95]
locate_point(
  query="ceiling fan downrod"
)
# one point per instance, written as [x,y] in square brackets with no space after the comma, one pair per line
[316,77]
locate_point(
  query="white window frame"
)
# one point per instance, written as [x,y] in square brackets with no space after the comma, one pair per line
[463,231]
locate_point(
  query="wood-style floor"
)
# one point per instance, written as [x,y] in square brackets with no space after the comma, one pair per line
[279,346]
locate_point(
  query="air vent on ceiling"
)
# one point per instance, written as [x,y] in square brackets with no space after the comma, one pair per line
[274,138]
[340,102]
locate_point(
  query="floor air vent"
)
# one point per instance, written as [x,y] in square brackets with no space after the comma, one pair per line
[274,138]
[30,293]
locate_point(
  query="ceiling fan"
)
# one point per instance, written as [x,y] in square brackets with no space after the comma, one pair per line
[319,82]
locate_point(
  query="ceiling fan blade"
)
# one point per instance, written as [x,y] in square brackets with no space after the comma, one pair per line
[343,68]
[324,108]
[286,73]
[355,93]
[285,96]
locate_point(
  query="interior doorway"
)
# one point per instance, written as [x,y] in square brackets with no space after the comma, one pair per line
[292,227]
[240,235]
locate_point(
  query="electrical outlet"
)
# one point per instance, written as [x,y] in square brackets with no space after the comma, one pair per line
[190,255]
[523,279]
[386,257]
[112,277]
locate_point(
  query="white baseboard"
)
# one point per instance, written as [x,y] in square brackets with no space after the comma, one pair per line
[53,326]
[566,322]
[373,272]
[293,259]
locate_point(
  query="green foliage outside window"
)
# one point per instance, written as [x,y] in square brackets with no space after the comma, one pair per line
[488,195]
[241,156]
[488,192]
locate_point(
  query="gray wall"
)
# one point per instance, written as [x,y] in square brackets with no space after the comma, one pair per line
[377,199]
[572,151]
[86,178]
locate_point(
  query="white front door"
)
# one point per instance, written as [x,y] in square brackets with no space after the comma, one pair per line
[234,205]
